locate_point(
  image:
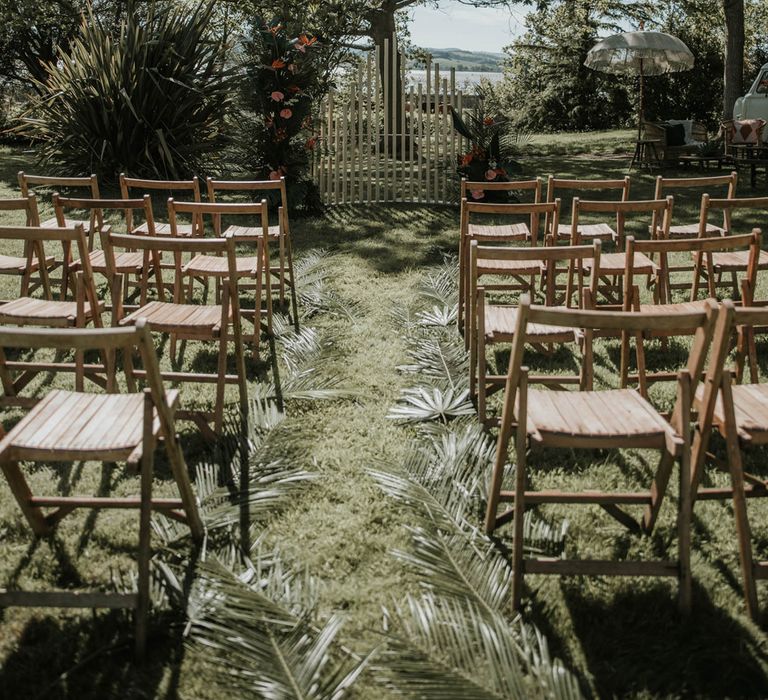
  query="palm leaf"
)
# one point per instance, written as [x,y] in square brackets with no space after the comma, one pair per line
[425,404]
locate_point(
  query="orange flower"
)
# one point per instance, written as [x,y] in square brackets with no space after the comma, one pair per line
[278,63]
[488,121]
[304,42]
[466,159]
[275,29]
[311,143]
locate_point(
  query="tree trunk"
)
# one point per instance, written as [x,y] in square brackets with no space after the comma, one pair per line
[734,54]
[382,27]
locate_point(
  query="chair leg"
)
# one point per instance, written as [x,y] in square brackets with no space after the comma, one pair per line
[22,494]
[736,470]
[519,504]
[685,500]
[145,532]
[281,280]
[292,283]
[658,489]
[218,411]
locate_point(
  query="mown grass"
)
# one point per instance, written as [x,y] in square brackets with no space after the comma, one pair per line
[623,638]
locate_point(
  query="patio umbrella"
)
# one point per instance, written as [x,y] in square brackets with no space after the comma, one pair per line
[640,53]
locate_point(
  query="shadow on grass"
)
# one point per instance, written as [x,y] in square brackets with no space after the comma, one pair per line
[89,656]
[637,643]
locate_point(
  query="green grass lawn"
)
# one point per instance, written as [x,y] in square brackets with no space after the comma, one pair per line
[620,637]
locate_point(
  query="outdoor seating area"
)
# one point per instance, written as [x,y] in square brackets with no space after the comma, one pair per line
[335,366]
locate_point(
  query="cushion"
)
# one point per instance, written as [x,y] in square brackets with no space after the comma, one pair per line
[745,130]
[675,135]
[687,126]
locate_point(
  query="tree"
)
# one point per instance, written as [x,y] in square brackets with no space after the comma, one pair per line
[733,75]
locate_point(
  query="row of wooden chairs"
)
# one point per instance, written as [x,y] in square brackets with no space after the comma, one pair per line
[706,400]
[141,216]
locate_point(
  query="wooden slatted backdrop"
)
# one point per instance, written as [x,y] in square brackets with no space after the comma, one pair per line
[409,155]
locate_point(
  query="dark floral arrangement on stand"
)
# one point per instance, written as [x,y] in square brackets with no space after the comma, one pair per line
[490,158]
[281,83]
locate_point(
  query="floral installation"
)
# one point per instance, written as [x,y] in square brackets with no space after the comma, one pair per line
[487,160]
[283,81]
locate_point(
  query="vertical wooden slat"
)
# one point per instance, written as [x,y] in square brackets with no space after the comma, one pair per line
[378,130]
[454,106]
[344,139]
[333,148]
[401,119]
[368,131]
[321,153]
[438,128]
[359,175]
[420,132]
[428,133]
[412,112]
[392,78]
[446,117]
[386,86]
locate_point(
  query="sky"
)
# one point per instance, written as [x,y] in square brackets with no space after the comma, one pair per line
[454,25]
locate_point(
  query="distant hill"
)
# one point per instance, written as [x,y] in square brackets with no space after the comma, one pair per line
[478,61]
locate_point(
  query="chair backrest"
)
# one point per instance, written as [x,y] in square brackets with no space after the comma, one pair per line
[176,246]
[609,323]
[249,186]
[728,206]
[144,186]
[96,208]
[574,256]
[555,185]
[704,247]
[533,211]
[90,183]
[136,338]
[475,191]
[676,186]
[25,203]
[655,209]
[217,210]
[32,236]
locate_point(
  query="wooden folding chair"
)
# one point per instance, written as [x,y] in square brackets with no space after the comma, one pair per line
[253,267]
[493,232]
[142,186]
[217,322]
[492,322]
[87,185]
[62,313]
[678,187]
[704,250]
[613,265]
[67,426]
[591,420]
[475,191]
[280,233]
[32,259]
[559,187]
[731,263]
[740,414]
[130,263]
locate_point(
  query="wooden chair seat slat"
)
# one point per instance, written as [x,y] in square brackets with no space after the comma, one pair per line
[505,267]
[28,310]
[519,231]
[273,232]
[68,223]
[616,263]
[10,263]
[737,260]
[500,322]
[163,229]
[605,414]
[161,315]
[750,402]
[687,306]
[602,231]
[124,262]
[219,266]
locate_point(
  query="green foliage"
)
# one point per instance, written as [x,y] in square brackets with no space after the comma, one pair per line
[150,98]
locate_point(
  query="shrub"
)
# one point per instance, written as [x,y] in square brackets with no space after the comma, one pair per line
[149,98]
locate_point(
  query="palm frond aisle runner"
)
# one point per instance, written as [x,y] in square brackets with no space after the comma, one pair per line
[457,638]
[262,616]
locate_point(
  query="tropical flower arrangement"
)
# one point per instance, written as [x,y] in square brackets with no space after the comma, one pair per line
[489,158]
[282,81]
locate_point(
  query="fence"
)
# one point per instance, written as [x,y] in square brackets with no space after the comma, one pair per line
[384,140]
